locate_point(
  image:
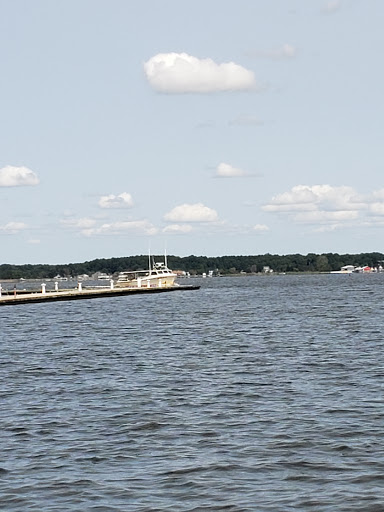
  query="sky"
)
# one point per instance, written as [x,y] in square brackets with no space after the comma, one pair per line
[205,127]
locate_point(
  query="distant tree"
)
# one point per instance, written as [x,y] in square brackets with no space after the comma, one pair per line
[322,264]
[198,264]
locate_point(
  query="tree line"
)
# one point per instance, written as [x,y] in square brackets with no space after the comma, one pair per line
[197,265]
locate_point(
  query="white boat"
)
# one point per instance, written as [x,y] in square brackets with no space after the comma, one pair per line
[347,269]
[103,275]
[157,276]
[60,278]
[351,269]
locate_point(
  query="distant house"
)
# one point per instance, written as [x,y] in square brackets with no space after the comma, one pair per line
[267,270]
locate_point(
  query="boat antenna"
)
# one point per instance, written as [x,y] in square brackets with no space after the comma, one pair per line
[165,257]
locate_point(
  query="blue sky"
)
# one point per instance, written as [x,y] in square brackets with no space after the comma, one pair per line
[206,127]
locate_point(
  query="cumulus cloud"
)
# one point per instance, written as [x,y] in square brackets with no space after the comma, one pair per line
[178,229]
[286,51]
[378,194]
[260,228]
[17,177]
[123,200]
[224,170]
[320,204]
[377,208]
[89,227]
[316,197]
[11,228]
[191,213]
[183,73]
[330,208]
[138,227]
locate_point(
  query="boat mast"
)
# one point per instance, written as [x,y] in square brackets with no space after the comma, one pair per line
[149,260]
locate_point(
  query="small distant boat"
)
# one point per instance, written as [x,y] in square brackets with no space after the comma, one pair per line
[351,269]
[347,269]
[158,275]
[60,278]
[83,277]
[103,275]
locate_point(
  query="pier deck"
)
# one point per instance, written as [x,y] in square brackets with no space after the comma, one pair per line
[23,297]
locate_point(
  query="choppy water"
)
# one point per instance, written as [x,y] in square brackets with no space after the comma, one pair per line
[251,394]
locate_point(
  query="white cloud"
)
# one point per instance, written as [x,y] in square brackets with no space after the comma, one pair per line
[379,194]
[260,228]
[329,228]
[228,171]
[11,228]
[178,229]
[329,207]
[123,200]
[34,241]
[191,213]
[323,205]
[377,208]
[17,177]
[375,203]
[183,73]
[316,197]
[139,227]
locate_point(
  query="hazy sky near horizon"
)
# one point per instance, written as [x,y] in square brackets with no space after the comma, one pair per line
[206,127]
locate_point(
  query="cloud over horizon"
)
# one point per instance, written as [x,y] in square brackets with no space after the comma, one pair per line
[183,73]
[314,198]
[11,176]
[224,170]
[260,228]
[332,207]
[137,227]
[12,228]
[88,227]
[178,229]
[191,213]
[123,200]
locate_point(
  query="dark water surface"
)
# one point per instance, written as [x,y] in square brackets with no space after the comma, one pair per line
[251,394]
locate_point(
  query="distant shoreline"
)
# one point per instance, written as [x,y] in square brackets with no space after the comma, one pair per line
[198,265]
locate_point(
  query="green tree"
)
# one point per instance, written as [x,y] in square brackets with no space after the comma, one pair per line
[322,264]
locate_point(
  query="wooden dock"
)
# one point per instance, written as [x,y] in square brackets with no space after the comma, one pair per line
[26,297]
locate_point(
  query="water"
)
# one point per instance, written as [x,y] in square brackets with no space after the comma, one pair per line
[251,394]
